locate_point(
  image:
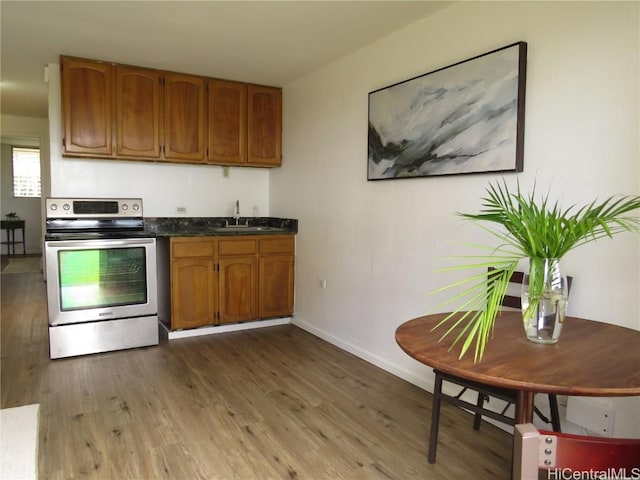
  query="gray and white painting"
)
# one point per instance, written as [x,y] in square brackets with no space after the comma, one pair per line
[460,119]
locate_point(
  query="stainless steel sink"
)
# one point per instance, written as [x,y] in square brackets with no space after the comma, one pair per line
[247,229]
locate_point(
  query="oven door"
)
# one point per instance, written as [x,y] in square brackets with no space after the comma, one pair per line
[98,280]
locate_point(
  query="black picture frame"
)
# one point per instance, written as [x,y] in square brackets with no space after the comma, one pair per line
[465,118]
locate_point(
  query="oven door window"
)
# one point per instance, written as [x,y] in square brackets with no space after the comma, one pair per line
[103,277]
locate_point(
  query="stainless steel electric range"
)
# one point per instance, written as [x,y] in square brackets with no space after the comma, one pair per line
[101,276]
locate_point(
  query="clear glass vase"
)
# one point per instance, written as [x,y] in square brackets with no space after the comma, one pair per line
[544,300]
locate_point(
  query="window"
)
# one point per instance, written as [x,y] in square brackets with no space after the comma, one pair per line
[26,172]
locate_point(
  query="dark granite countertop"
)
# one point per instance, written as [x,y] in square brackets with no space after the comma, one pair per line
[219,226]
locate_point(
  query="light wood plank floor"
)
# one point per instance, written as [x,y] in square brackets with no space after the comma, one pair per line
[273,403]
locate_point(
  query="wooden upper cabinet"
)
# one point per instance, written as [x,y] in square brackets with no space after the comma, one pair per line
[120,111]
[185,121]
[227,122]
[138,112]
[264,127]
[87,106]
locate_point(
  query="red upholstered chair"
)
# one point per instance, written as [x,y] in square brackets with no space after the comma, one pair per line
[558,454]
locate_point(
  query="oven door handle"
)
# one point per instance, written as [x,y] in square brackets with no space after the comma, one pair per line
[101,243]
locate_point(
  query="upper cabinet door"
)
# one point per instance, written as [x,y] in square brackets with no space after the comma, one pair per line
[227,122]
[184,118]
[264,129]
[138,115]
[87,106]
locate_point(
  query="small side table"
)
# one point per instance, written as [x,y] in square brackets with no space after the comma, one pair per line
[11,226]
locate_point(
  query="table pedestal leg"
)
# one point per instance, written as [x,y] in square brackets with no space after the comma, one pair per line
[524,406]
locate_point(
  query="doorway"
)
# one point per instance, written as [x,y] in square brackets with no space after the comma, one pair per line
[23,208]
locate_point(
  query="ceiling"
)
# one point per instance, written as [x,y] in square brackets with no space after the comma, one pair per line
[265,42]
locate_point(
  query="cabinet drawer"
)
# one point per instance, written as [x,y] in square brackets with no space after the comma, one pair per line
[192,247]
[231,246]
[284,244]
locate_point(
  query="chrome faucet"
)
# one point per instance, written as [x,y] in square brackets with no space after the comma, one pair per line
[236,212]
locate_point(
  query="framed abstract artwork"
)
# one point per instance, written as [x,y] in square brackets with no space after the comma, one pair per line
[464,118]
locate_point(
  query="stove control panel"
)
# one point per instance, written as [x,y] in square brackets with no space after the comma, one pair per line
[93,207]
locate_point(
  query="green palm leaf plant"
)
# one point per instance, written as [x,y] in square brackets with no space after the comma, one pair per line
[524,229]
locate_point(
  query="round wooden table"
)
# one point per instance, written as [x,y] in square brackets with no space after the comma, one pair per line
[590,359]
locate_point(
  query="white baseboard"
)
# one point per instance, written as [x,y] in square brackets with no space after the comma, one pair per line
[213,330]
[424,382]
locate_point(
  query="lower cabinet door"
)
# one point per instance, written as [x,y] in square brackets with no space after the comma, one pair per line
[238,289]
[276,286]
[193,292]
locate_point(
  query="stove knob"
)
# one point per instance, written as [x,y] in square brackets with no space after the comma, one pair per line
[66,206]
[125,207]
[136,207]
[53,206]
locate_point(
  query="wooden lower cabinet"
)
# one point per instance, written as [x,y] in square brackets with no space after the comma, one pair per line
[276,279]
[194,288]
[238,294]
[218,280]
[238,275]
[276,286]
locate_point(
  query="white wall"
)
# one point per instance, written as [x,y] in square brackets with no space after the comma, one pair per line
[202,189]
[378,244]
[24,131]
